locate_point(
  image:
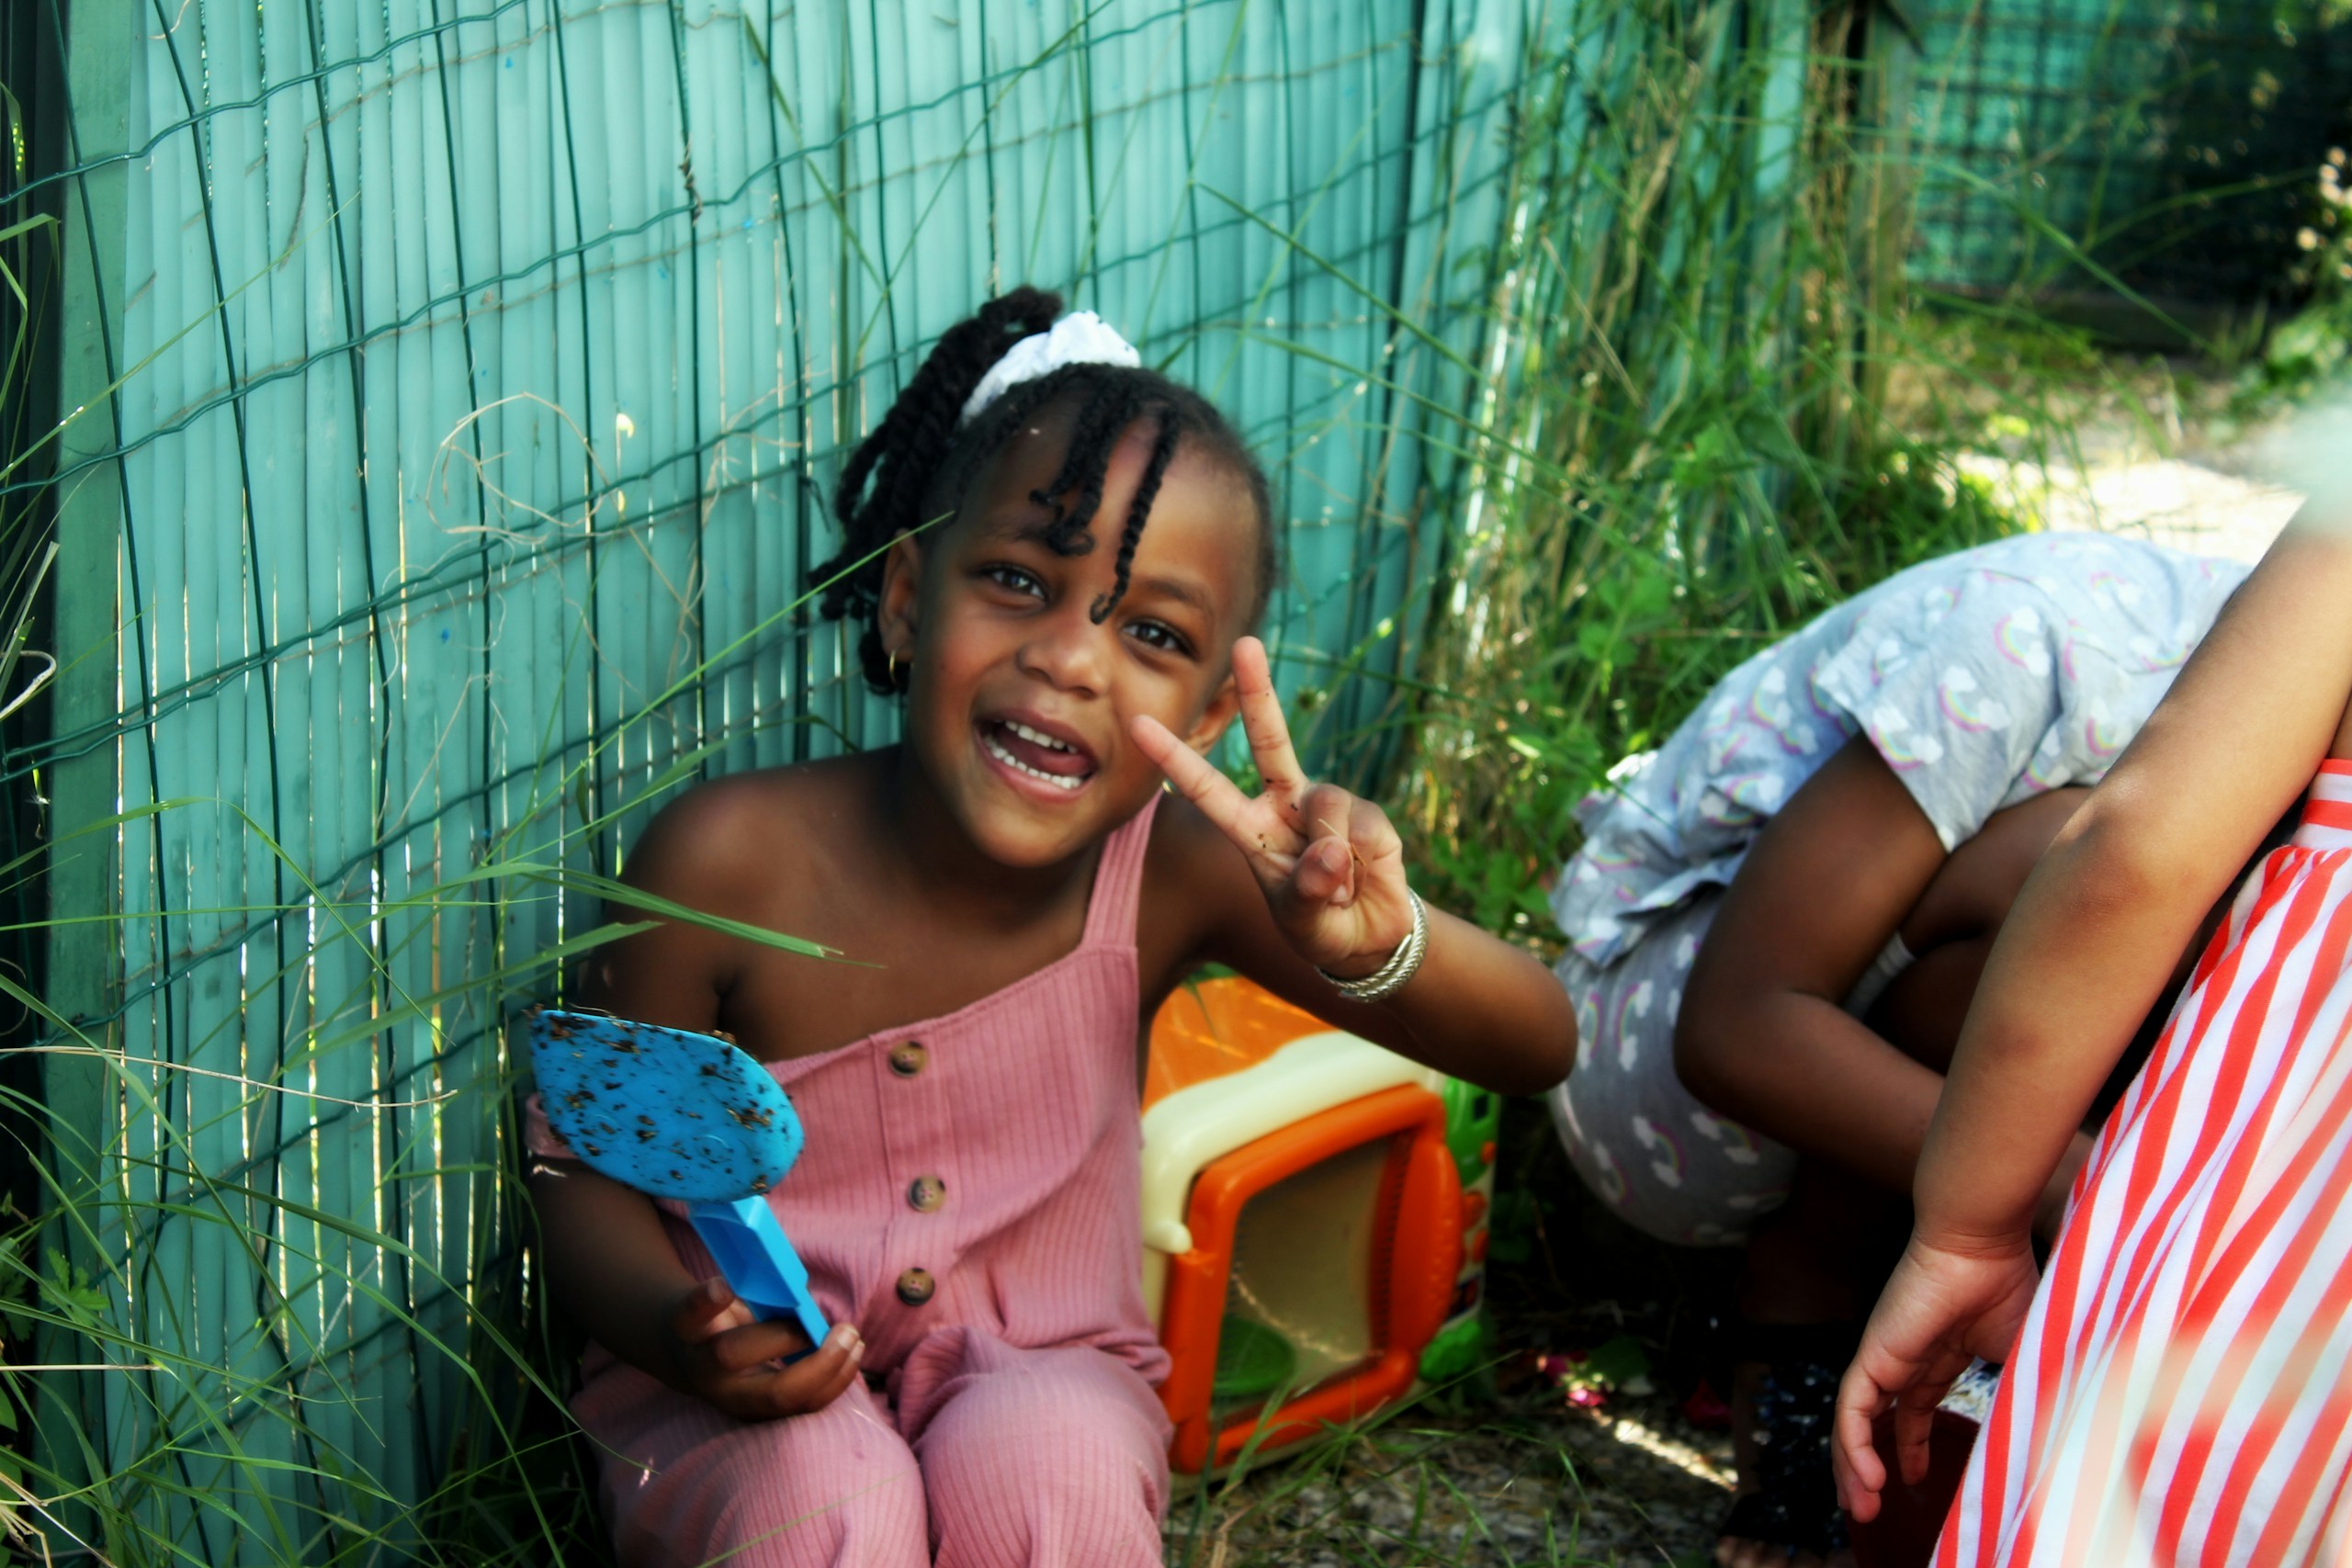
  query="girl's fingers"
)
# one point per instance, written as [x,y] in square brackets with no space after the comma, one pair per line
[758,1390]
[815,1381]
[1329,811]
[757,1343]
[1374,836]
[1269,731]
[1220,800]
[1325,874]
[1914,1415]
[1862,1475]
[832,1388]
[705,1313]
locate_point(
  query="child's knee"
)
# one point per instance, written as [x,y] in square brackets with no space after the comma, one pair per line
[1046,1505]
[874,1519]
[823,1491]
[1036,1471]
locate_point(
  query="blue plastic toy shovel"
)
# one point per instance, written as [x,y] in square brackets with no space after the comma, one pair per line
[686,1116]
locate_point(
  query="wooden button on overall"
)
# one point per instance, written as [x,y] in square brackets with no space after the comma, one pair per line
[915,1286]
[908,1058]
[925,1193]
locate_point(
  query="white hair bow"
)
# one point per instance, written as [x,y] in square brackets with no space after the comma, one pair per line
[1080,338]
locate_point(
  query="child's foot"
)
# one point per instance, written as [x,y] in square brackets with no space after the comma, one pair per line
[1785,1510]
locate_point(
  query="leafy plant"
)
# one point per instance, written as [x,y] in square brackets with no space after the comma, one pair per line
[2312,348]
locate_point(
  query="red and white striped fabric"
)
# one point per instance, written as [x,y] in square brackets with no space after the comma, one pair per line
[2182,1390]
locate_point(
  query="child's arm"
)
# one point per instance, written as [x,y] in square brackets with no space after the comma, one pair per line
[2086,951]
[1319,883]
[1762,1034]
[609,1262]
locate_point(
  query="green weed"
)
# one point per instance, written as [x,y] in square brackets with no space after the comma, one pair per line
[1692,459]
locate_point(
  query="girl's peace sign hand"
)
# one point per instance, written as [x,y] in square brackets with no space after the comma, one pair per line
[1332,868]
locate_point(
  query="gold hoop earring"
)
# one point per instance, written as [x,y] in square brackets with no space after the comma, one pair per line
[894,669]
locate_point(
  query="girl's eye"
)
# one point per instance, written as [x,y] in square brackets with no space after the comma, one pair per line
[1013,578]
[1155,634]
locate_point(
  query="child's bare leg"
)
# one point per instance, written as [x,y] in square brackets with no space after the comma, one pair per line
[1819,1260]
[1920,1011]
[1824,1254]
[1812,1267]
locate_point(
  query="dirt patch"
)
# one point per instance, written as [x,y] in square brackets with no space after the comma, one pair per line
[1510,1473]
[2148,447]
[1526,1481]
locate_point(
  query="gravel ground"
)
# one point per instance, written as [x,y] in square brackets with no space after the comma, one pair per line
[1526,1479]
[1526,1482]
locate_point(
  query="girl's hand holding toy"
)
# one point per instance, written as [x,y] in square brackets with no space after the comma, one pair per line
[745,1366]
[699,1338]
[1331,866]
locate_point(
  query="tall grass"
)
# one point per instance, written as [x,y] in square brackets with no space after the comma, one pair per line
[1695,453]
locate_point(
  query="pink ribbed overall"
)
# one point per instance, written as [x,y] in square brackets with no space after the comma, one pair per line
[1016,1422]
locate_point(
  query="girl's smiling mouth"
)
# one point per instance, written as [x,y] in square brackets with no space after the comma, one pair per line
[1030,752]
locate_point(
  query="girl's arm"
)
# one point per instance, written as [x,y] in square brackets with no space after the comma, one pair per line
[2123,887]
[1319,883]
[2086,951]
[1762,1033]
[610,1263]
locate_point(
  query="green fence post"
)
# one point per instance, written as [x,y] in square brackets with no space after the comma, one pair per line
[1890,82]
[82,873]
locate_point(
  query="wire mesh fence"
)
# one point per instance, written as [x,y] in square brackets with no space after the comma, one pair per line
[461,386]
[2169,148]
[450,394]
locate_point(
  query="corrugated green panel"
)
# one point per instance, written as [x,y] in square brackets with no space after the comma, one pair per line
[88,779]
[495,358]
[1417,238]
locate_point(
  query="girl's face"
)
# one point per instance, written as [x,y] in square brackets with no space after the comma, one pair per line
[1019,706]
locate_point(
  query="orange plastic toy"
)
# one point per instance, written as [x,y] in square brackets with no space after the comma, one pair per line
[1304,1219]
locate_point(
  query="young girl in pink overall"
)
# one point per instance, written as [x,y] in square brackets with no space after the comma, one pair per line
[1067,553]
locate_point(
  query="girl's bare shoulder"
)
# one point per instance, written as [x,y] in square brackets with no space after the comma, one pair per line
[739,838]
[1189,856]
[1196,887]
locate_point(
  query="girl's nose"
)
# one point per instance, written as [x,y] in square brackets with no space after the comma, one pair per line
[1068,651]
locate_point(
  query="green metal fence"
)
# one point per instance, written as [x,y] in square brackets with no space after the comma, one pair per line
[452,386]
[2175,143]
[464,381]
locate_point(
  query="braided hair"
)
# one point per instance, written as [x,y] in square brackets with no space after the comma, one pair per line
[916,463]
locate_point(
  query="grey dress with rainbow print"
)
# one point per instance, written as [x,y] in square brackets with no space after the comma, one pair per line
[1982,678]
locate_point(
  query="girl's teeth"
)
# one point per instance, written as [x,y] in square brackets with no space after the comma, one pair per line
[1036,738]
[1010,760]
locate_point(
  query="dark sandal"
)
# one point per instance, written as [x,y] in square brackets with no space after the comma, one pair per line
[1791,1501]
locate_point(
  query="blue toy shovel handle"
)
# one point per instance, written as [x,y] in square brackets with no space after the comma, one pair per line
[759,1263]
